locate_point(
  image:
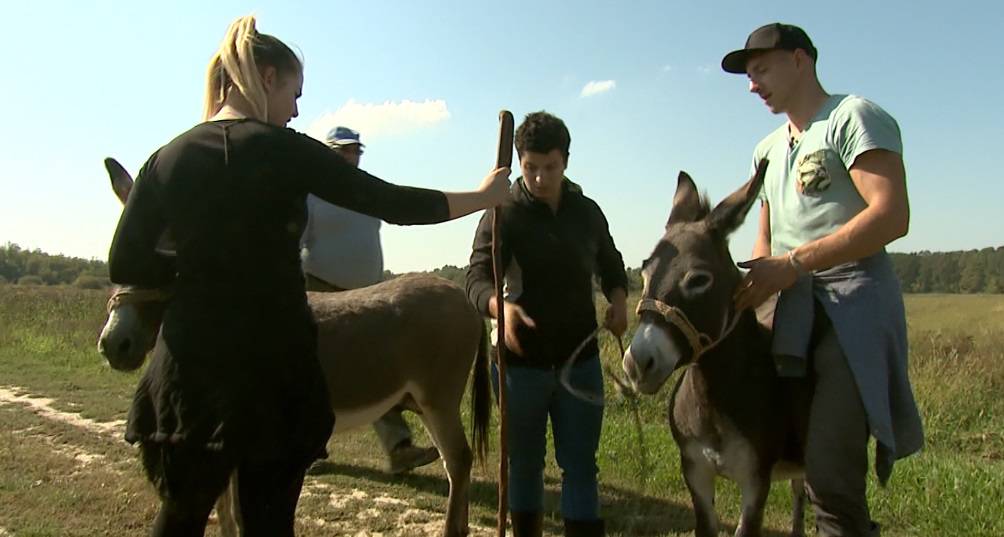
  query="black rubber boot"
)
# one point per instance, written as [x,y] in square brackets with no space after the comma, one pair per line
[527,524]
[584,528]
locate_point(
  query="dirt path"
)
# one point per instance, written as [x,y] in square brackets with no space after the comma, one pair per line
[362,506]
[43,407]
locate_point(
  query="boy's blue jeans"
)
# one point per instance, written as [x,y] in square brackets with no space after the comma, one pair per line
[532,395]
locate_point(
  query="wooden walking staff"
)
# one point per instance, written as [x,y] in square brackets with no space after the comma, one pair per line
[503,159]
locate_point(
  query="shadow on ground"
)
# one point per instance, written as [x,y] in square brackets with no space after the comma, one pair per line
[626,511]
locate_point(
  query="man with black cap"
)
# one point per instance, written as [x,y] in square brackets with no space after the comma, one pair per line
[833,197]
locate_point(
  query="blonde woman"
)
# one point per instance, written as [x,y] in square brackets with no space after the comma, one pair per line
[234,381]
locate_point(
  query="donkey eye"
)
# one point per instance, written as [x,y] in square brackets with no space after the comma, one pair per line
[697,282]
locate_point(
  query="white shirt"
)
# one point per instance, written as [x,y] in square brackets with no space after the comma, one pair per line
[340,246]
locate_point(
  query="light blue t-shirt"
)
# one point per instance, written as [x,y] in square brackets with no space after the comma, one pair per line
[811,195]
[808,186]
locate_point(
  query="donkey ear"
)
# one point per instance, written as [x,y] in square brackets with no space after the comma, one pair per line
[687,206]
[730,212]
[121,180]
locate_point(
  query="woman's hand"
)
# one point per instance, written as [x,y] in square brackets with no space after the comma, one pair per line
[495,186]
[494,190]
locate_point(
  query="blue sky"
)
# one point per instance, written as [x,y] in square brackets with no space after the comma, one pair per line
[424,81]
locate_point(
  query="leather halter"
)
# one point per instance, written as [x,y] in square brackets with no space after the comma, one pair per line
[699,341]
[135,295]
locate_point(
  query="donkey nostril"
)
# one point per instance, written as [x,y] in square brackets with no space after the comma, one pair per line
[124,346]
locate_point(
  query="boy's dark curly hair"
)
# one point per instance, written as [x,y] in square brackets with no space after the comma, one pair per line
[541,132]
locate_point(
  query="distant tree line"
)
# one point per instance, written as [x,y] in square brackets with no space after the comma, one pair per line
[970,271]
[35,267]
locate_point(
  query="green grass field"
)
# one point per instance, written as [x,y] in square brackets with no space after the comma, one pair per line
[59,478]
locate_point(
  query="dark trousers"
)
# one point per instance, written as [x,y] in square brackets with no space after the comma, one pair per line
[836,458]
[192,478]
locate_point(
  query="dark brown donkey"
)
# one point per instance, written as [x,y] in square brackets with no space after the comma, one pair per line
[409,341]
[730,413]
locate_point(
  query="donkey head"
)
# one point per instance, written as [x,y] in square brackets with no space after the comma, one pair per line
[688,283]
[134,314]
[134,317]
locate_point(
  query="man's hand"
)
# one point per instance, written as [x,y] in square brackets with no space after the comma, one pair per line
[515,317]
[766,276]
[616,316]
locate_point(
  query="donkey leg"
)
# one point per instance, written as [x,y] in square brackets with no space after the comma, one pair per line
[700,478]
[755,488]
[447,432]
[797,508]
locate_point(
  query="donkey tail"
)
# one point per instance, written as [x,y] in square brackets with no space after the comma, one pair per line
[481,403]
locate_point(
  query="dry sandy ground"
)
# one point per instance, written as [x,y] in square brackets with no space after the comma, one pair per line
[410,521]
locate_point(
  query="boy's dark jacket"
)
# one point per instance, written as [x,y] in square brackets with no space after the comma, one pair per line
[550,260]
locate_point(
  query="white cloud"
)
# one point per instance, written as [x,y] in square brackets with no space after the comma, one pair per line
[705,69]
[390,118]
[596,87]
[667,68]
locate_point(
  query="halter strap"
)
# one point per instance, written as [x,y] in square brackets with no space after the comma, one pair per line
[699,341]
[135,295]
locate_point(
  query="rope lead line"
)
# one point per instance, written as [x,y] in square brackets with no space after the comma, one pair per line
[632,398]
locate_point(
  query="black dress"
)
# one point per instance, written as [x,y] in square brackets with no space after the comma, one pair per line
[235,368]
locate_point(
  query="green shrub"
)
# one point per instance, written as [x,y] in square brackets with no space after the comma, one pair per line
[31,279]
[90,281]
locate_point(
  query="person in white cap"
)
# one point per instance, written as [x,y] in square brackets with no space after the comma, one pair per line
[340,250]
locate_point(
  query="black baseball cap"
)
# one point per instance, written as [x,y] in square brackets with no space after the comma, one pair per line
[774,36]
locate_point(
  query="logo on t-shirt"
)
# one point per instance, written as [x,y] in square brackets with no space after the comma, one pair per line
[813,177]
